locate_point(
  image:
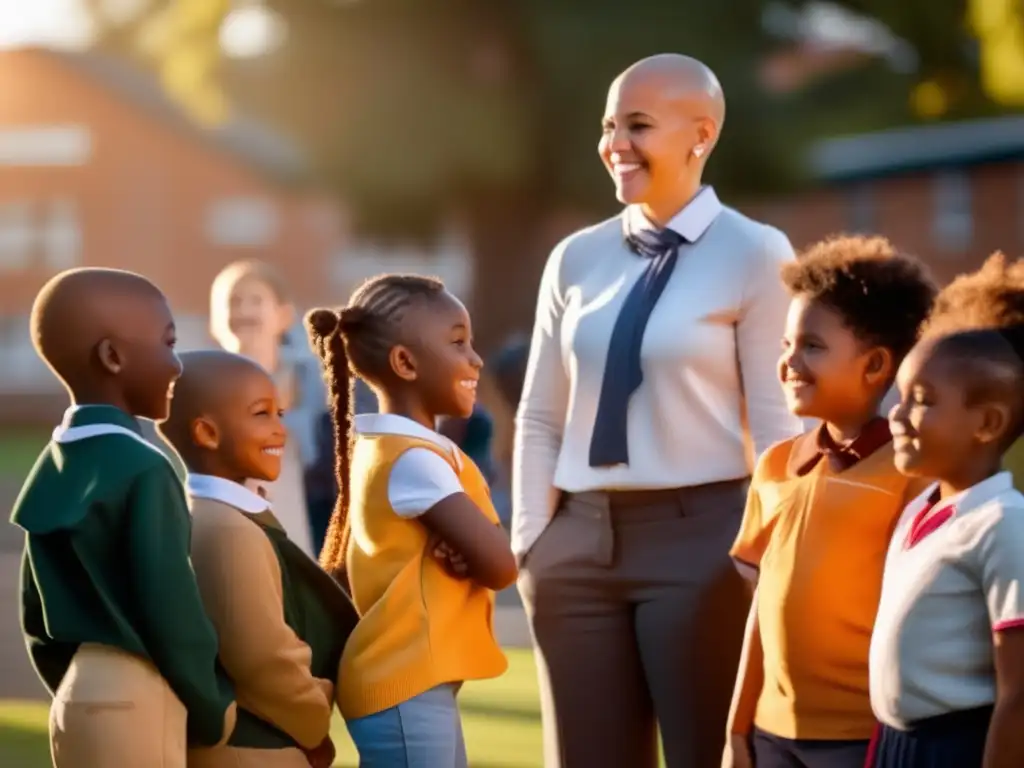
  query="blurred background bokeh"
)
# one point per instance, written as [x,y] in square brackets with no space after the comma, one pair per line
[337,139]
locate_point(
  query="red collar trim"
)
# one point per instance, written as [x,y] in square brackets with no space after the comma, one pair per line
[926,522]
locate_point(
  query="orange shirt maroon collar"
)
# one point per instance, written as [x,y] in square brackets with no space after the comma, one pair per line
[818,444]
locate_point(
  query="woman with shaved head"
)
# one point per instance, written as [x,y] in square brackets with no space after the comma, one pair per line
[654,351]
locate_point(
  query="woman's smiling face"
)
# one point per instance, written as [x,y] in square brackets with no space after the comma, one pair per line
[648,135]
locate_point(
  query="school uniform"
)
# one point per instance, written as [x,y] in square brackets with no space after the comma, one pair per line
[816,528]
[112,617]
[282,623]
[954,575]
[422,632]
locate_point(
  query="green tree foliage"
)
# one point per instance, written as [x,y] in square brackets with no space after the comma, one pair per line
[411,107]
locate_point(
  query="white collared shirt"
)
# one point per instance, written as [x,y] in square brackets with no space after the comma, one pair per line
[65,433]
[691,222]
[942,599]
[227,492]
[419,478]
[709,356]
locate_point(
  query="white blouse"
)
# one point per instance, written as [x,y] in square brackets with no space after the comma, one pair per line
[709,358]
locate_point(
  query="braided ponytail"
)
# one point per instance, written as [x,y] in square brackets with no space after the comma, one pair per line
[325,329]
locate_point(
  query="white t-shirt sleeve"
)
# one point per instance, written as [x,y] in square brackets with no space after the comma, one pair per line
[1001,552]
[419,479]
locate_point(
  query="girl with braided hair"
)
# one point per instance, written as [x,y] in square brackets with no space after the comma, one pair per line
[413,533]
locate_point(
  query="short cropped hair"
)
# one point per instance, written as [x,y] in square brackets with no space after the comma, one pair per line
[882,295]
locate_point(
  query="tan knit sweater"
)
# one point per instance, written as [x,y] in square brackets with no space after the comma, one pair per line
[240,582]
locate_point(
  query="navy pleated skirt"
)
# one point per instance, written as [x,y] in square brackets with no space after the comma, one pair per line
[954,740]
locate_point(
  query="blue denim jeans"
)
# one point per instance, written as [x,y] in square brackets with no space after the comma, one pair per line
[423,732]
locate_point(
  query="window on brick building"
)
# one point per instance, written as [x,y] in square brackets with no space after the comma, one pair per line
[952,217]
[34,232]
[17,235]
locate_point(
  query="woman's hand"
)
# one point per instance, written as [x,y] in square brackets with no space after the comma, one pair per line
[737,752]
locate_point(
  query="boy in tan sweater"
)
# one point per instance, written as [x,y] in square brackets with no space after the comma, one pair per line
[282,622]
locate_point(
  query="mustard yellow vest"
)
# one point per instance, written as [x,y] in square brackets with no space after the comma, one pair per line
[418,626]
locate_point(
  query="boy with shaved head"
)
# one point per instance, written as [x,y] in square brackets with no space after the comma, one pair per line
[282,622]
[111,614]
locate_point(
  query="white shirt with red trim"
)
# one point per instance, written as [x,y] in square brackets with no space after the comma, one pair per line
[954,574]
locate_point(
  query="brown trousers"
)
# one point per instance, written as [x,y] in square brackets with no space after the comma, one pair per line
[114,710]
[239,757]
[637,615]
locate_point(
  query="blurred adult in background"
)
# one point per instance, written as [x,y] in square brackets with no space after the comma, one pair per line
[655,343]
[365,399]
[475,436]
[499,391]
[509,367]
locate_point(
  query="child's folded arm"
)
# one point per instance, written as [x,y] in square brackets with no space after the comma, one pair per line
[240,579]
[172,624]
[425,487]
[484,546]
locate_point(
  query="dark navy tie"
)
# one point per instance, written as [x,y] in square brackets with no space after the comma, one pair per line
[622,372]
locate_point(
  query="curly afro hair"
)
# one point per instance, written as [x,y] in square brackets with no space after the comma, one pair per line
[992,297]
[883,296]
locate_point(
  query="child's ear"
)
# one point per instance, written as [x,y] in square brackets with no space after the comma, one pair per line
[109,357]
[879,368]
[995,419]
[402,362]
[205,434]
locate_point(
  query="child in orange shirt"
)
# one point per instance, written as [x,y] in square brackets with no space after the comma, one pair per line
[821,510]
[414,531]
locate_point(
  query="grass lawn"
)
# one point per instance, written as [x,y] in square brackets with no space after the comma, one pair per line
[501,717]
[19,448]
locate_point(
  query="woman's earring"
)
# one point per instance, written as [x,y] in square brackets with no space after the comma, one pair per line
[698,150]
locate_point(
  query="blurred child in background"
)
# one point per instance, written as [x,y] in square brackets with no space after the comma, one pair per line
[251,314]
